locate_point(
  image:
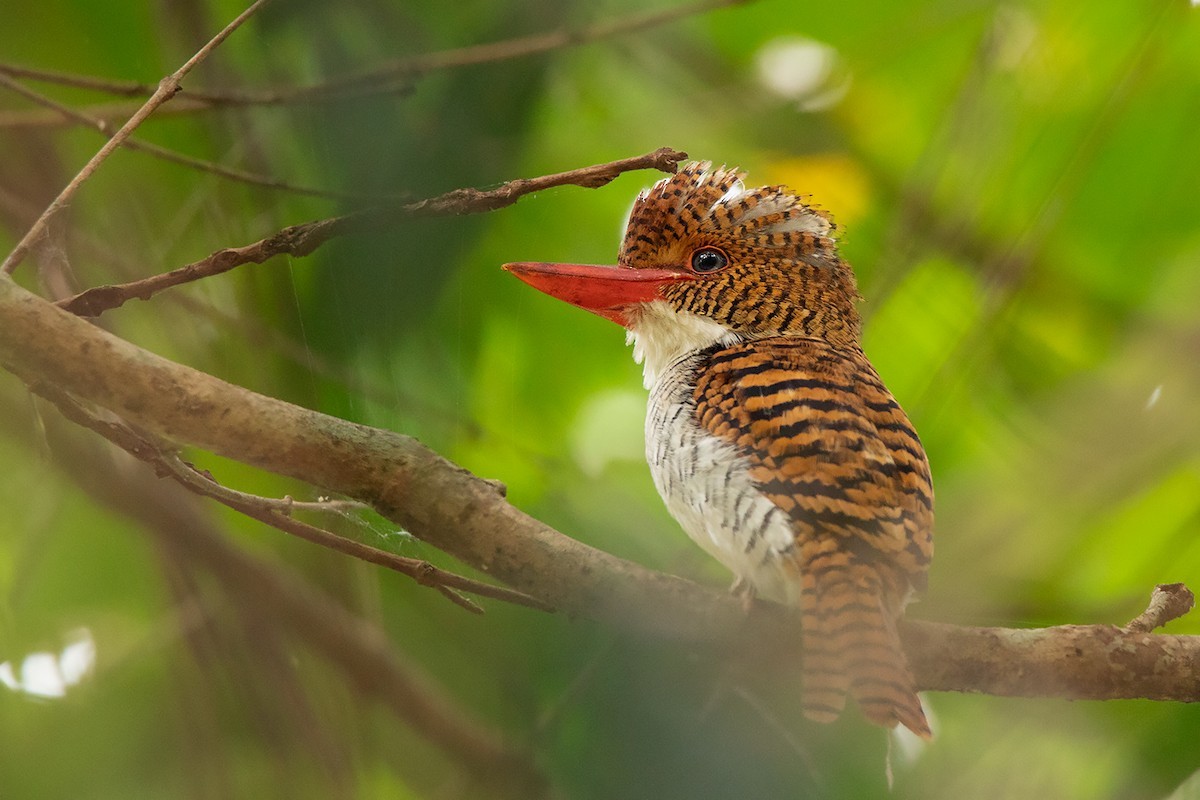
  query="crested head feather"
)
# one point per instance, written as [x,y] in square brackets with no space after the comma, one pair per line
[777,272]
[700,205]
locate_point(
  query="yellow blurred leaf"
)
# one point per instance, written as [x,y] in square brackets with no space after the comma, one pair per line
[836,182]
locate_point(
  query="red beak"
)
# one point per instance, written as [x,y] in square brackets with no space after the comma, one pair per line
[607,291]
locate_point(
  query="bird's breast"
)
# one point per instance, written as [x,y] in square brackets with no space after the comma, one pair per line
[706,485]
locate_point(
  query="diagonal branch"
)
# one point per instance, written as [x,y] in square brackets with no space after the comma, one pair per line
[104,127]
[453,510]
[358,649]
[167,88]
[276,513]
[394,76]
[537,44]
[300,240]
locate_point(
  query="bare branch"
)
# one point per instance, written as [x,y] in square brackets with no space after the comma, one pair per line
[104,127]
[320,505]
[537,44]
[451,509]
[276,513]
[75,81]
[189,99]
[395,76]
[165,91]
[183,104]
[300,240]
[1168,601]
[357,648]
[1076,662]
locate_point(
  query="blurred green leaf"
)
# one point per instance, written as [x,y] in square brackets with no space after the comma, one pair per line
[1016,188]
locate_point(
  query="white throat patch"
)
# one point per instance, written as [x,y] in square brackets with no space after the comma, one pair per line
[660,335]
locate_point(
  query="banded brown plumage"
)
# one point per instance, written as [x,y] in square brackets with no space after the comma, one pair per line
[769,435]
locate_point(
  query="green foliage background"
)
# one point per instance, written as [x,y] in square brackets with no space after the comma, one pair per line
[1018,186]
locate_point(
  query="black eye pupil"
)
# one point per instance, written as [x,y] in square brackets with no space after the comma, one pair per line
[708,260]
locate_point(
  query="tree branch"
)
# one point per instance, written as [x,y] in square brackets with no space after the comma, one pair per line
[105,128]
[357,648]
[1074,662]
[167,89]
[535,44]
[453,510]
[300,240]
[277,513]
[1168,601]
[397,75]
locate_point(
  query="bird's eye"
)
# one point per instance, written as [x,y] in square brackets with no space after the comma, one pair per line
[709,259]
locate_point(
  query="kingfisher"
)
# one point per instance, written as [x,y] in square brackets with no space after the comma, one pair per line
[770,436]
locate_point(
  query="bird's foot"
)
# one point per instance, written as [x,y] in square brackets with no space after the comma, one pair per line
[744,591]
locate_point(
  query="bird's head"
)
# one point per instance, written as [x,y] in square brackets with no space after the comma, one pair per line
[702,250]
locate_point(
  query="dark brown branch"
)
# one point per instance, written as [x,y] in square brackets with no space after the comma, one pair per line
[300,240]
[398,75]
[451,509]
[276,512]
[167,89]
[1168,601]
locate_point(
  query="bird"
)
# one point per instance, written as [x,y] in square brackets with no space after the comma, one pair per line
[769,434]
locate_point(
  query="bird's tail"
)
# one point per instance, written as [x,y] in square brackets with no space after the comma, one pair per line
[851,644]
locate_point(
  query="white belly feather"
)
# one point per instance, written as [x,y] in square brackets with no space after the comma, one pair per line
[703,480]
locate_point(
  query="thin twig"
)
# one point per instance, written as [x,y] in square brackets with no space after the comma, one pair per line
[34,118]
[271,512]
[190,101]
[197,99]
[165,91]
[1168,601]
[536,44]
[274,512]
[76,81]
[104,127]
[300,240]
[323,505]
[397,75]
